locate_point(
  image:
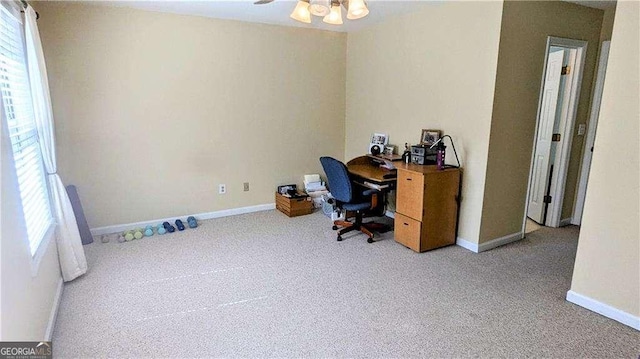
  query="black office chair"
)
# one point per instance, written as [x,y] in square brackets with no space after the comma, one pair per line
[341,188]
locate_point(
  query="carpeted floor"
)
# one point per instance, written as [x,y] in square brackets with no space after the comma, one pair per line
[531,226]
[264,285]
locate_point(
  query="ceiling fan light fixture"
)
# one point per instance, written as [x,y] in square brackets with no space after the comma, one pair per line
[357,10]
[301,12]
[335,16]
[320,7]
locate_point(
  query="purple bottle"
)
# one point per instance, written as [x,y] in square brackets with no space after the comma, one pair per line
[440,156]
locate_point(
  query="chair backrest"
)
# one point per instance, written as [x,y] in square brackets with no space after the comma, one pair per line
[338,178]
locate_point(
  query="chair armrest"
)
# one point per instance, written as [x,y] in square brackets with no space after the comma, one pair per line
[369,192]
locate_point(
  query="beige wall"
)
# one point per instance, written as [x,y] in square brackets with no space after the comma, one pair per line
[435,69]
[26,299]
[525,27]
[154,110]
[607,266]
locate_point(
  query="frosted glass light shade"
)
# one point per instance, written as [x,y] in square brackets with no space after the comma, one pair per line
[335,17]
[357,10]
[320,7]
[301,12]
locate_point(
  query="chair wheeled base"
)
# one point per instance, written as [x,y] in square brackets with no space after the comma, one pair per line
[358,225]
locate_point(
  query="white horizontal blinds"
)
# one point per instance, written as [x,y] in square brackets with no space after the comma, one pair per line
[18,106]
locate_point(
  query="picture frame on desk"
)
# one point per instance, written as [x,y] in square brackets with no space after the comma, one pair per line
[429,137]
[379,139]
[378,142]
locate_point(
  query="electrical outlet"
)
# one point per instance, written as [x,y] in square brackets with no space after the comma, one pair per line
[222,189]
[246,186]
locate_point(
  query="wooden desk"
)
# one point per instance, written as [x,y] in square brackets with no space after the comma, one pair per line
[365,168]
[368,173]
[427,200]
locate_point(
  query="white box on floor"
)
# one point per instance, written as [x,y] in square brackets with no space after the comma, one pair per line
[337,216]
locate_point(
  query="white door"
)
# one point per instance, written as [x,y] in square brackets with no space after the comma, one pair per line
[542,157]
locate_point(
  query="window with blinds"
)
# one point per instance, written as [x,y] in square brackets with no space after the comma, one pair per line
[19,113]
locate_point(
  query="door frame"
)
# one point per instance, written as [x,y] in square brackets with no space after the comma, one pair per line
[563,150]
[585,165]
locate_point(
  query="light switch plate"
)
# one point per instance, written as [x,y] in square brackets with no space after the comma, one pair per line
[581,129]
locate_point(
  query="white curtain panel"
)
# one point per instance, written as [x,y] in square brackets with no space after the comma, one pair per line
[70,252]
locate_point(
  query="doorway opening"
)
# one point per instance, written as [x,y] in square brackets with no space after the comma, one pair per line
[557,109]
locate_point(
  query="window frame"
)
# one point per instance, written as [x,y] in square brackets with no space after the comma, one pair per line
[14,9]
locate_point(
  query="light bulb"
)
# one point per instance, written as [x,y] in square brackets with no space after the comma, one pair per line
[357,9]
[301,12]
[335,17]
[320,7]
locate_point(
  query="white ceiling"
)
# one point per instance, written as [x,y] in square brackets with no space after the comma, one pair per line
[278,11]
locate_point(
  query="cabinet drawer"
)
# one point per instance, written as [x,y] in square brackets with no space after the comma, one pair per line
[407,231]
[410,194]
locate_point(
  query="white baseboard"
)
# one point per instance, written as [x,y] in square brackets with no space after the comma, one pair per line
[566,222]
[509,238]
[604,309]
[208,215]
[482,247]
[54,312]
[467,245]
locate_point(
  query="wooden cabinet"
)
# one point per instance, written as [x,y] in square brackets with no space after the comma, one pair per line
[426,206]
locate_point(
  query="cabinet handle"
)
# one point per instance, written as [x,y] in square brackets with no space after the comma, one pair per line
[408,179]
[406,224]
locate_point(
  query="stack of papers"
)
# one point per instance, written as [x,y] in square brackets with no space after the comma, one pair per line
[312,183]
[315,186]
